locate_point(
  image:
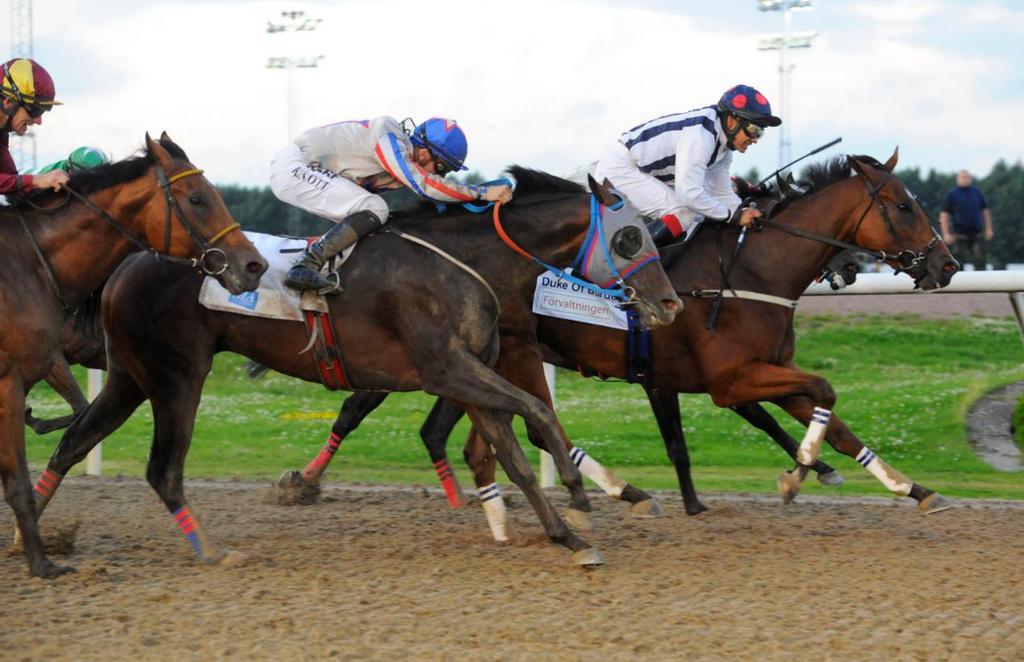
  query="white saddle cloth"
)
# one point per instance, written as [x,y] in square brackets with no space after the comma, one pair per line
[273,299]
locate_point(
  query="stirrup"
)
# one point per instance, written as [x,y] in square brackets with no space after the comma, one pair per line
[335,286]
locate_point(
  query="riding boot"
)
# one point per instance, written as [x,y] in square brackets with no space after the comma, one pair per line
[665,231]
[305,273]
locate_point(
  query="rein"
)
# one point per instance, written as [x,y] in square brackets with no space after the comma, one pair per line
[623,293]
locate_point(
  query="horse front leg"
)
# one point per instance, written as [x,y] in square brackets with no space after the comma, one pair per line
[665,405]
[481,461]
[14,474]
[843,440]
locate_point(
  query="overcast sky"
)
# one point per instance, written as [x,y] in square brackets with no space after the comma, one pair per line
[543,83]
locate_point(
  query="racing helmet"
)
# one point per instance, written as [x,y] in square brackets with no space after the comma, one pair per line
[26,82]
[747,103]
[444,139]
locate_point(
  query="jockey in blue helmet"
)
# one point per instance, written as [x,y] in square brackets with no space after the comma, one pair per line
[336,172]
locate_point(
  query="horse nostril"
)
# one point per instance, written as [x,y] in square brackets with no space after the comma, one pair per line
[670,305]
[950,267]
[255,267]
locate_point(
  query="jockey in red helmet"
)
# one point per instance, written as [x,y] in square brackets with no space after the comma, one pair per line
[336,171]
[26,92]
[675,168]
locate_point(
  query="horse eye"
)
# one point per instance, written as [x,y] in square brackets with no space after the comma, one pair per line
[903,206]
[195,200]
[628,242]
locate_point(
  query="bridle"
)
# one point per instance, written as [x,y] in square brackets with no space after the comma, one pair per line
[206,247]
[203,264]
[906,260]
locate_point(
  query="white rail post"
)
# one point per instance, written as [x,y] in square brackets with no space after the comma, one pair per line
[94,460]
[547,463]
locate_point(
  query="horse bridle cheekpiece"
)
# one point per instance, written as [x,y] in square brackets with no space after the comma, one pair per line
[906,260]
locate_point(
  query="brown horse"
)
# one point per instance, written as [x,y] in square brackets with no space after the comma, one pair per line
[747,356]
[410,317]
[57,254]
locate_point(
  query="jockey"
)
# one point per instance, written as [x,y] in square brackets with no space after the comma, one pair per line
[675,168]
[335,171]
[26,92]
[80,158]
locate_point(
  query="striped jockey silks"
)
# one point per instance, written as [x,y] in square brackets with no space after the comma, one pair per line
[47,483]
[188,526]
[489,492]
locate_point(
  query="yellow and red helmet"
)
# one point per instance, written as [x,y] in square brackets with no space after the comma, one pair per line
[26,82]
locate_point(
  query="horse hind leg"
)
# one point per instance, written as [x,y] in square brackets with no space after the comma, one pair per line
[435,432]
[481,461]
[755,414]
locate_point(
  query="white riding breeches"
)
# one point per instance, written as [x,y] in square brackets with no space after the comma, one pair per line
[317,191]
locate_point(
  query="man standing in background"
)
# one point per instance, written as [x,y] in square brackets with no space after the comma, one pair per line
[972,222]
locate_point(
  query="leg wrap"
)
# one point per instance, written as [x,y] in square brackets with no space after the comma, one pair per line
[810,447]
[47,484]
[494,510]
[877,467]
[446,475]
[589,467]
[188,526]
[316,467]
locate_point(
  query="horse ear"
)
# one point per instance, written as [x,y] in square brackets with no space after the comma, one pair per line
[157,151]
[603,191]
[164,136]
[784,187]
[891,163]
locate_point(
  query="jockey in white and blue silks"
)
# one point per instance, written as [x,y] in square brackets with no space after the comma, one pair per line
[336,171]
[675,168]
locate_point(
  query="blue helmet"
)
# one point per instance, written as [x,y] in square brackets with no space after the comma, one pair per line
[749,104]
[444,139]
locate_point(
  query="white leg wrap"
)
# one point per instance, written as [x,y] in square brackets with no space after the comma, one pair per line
[892,479]
[589,467]
[494,510]
[810,447]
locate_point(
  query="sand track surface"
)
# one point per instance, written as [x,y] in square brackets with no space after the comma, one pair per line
[383,573]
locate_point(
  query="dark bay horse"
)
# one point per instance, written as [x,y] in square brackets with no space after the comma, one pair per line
[56,250]
[748,356]
[409,317]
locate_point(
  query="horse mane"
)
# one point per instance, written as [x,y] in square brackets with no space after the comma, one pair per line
[836,169]
[537,182]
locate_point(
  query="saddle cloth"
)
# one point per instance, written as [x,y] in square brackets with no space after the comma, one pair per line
[273,299]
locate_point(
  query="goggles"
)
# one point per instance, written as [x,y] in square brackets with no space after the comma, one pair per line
[34,111]
[440,167]
[755,131]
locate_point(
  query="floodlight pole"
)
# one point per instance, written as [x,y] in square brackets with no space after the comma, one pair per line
[296,22]
[783,43]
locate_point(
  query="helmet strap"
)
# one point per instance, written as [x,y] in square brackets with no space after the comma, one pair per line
[730,135]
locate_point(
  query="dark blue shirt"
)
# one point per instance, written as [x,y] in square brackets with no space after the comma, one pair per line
[964,205]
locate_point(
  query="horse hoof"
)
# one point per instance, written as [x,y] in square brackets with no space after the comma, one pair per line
[294,489]
[50,571]
[833,478]
[934,503]
[233,558]
[695,508]
[789,486]
[588,558]
[646,509]
[577,519]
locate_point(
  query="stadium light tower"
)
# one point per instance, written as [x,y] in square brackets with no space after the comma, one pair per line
[294,21]
[21,46]
[782,43]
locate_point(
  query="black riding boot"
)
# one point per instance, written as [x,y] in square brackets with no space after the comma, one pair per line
[305,274]
[661,234]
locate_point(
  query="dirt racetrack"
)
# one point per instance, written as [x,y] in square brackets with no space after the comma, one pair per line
[386,573]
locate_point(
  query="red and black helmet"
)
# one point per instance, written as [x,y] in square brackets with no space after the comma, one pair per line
[747,103]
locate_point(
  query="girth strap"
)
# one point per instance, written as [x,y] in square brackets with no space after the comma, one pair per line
[326,353]
[742,294]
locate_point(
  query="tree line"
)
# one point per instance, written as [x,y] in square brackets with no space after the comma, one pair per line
[257,209]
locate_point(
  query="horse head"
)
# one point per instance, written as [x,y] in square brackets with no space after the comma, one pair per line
[895,225]
[626,248]
[205,231]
